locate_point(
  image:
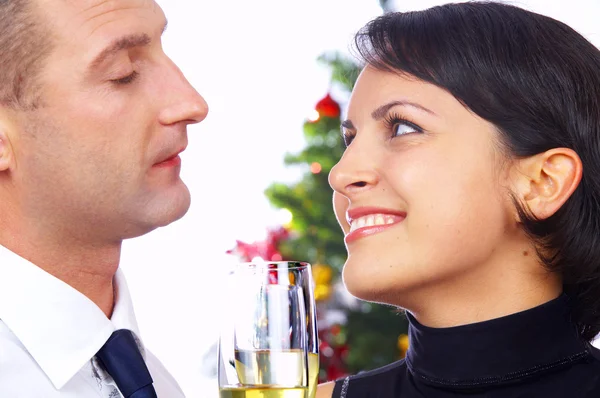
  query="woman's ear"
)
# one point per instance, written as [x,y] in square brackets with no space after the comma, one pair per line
[544,182]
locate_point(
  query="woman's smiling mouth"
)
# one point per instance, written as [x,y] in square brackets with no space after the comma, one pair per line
[365,221]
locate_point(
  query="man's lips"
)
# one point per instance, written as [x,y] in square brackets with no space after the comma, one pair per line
[366,221]
[172,160]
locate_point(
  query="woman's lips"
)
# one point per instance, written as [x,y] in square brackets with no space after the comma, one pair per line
[369,221]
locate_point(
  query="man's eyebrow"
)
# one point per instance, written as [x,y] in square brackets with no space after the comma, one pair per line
[380,112]
[123,43]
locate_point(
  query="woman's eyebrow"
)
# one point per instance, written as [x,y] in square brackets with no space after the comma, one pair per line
[347,124]
[381,111]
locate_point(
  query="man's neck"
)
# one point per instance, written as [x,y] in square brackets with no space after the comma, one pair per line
[88,269]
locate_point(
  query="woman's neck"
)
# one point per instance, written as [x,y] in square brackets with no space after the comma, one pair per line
[499,288]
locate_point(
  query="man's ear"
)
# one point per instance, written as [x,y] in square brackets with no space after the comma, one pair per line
[7,130]
[544,182]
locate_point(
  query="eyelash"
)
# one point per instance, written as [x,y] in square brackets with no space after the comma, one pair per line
[394,119]
[126,80]
[347,138]
[391,120]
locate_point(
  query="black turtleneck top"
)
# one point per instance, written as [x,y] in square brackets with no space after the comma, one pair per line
[530,354]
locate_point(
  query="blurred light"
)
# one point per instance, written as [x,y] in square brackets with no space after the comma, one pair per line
[328,351]
[285,217]
[316,168]
[258,259]
[276,257]
[314,115]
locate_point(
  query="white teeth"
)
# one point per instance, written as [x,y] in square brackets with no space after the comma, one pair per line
[372,220]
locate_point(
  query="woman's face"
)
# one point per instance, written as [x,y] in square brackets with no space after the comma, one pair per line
[420,192]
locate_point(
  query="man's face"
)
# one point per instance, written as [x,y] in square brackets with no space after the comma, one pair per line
[98,158]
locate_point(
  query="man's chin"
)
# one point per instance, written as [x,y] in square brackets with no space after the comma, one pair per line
[172,214]
[159,216]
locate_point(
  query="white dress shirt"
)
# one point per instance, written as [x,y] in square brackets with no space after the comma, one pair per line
[50,332]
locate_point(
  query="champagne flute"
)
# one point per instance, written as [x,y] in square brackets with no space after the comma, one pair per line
[263,344]
[300,274]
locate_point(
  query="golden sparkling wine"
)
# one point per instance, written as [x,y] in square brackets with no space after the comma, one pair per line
[313,374]
[262,392]
[265,372]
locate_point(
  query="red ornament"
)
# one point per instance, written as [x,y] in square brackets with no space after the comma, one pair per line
[328,107]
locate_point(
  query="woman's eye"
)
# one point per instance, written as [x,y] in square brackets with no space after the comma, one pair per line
[400,126]
[347,139]
[404,128]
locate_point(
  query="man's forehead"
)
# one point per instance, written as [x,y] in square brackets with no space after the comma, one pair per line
[95,13]
[89,4]
[84,23]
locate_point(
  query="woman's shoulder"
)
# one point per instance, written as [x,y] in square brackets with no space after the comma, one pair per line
[595,351]
[385,379]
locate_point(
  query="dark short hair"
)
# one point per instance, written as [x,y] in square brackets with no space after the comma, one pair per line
[24,44]
[538,81]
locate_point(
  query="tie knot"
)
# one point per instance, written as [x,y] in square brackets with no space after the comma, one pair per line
[122,359]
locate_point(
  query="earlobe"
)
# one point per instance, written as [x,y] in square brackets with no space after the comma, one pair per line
[7,130]
[5,152]
[547,180]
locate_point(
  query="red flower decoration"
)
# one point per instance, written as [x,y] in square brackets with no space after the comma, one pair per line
[267,249]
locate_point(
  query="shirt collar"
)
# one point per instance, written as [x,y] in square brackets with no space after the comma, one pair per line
[60,327]
[498,351]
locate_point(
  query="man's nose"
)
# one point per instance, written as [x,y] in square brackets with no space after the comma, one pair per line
[184,103]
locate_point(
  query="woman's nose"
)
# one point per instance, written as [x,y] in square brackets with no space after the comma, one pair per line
[355,172]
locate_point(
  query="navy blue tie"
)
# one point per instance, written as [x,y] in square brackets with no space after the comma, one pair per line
[122,359]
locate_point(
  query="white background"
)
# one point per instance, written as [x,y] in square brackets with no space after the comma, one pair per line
[254,61]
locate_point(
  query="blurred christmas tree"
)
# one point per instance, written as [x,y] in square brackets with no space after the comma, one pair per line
[354,335]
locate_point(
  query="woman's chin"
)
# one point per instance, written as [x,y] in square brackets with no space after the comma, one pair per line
[371,289]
